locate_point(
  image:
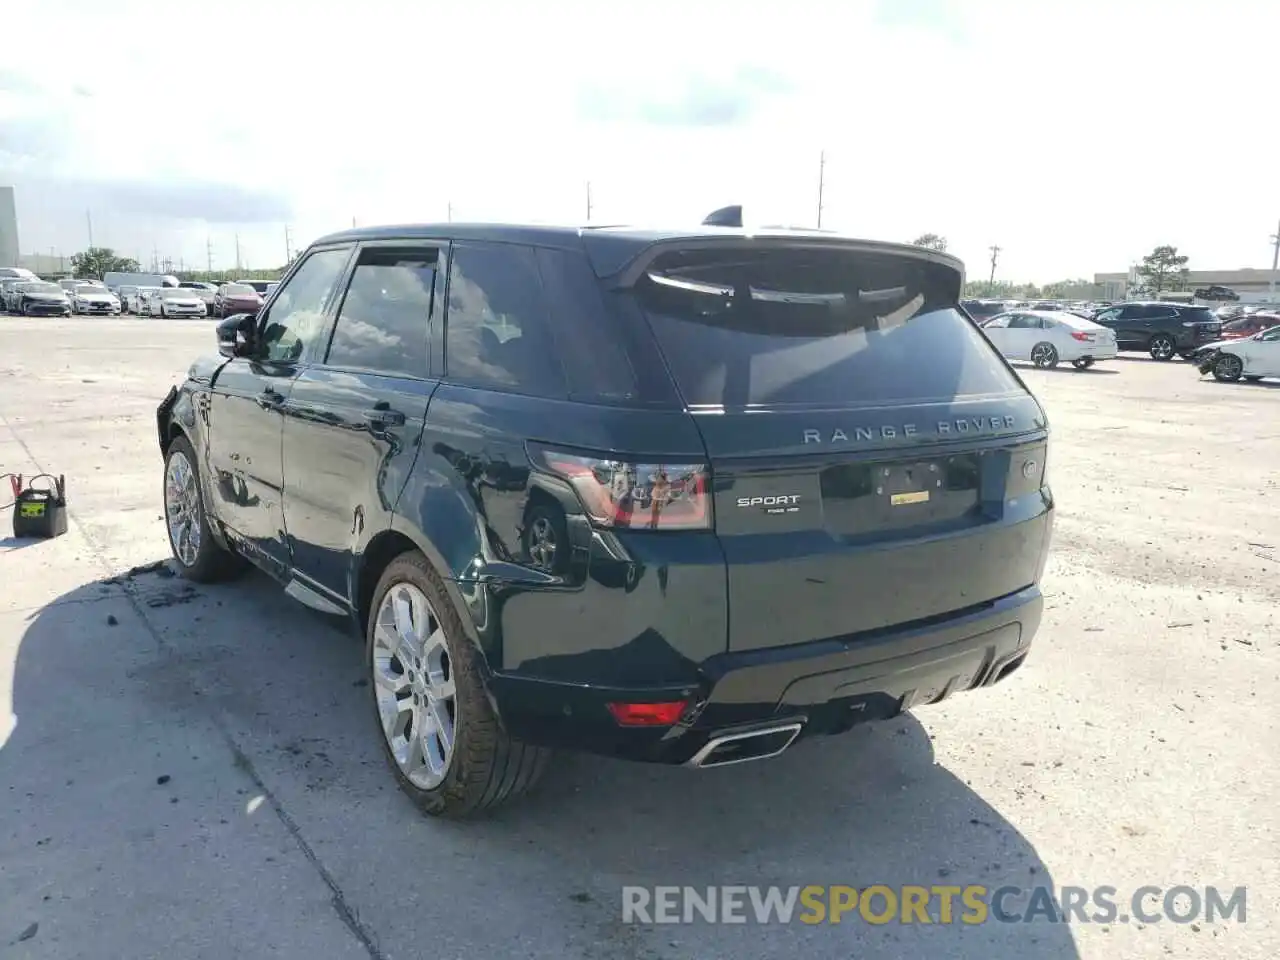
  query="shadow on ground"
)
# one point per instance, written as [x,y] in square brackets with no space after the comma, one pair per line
[106,709]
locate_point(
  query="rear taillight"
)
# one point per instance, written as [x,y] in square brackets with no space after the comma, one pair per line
[647,714]
[634,494]
[1082,337]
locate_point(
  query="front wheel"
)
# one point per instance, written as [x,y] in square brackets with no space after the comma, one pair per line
[438,731]
[1082,364]
[1162,347]
[1228,368]
[198,556]
[1044,355]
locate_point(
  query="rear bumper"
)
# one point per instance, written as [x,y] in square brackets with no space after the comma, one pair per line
[827,686]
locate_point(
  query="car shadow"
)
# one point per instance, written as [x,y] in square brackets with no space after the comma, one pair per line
[103,672]
[1067,368]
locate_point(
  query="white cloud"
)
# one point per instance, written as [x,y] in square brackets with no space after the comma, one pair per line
[1076,135]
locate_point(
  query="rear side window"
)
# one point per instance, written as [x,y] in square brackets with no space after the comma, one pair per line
[496,329]
[591,344]
[815,327]
[1198,315]
[382,325]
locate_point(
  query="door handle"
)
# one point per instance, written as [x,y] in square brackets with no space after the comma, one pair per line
[270,398]
[381,416]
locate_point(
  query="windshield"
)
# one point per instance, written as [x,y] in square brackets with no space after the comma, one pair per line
[43,288]
[809,327]
[83,288]
[238,290]
[173,293]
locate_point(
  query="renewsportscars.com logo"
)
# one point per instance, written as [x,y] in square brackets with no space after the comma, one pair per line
[935,904]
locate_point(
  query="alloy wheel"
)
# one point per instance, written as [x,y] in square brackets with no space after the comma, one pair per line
[1228,367]
[542,543]
[414,685]
[1162,348]
[182,508]
[1042,355]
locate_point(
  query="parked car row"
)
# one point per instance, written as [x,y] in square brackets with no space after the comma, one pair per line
[1247,348]
[25,293]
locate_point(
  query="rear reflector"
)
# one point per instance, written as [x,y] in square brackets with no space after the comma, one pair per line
[616,493]
[647,714]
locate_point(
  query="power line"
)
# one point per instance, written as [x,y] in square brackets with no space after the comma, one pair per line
[995,255]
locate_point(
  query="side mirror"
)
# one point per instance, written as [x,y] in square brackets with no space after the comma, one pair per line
[236,333]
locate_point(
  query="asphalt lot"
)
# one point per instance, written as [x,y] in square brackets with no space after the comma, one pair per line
[192,771]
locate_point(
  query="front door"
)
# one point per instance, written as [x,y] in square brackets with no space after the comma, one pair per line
[246,408]
[354,419]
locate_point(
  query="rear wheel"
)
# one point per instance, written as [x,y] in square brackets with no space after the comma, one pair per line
[439,733]
[1162,347]
[1228,368]
[1082,364]
[1044,355]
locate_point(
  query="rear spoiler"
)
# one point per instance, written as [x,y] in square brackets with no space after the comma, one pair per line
[630,273]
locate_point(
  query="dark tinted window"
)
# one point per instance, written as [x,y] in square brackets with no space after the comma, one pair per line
[592,346]
[1024,321]
[1197,315]
[382,324]
[496,329]
[1157,311]
[805,326]
[295,326]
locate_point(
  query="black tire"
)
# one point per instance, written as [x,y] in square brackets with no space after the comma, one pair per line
[487,767]
[1162,347]
[212,563]
[1044,355]
[545,538]
[1227,368]
[1253,379]
[1083,364]
[1187,354]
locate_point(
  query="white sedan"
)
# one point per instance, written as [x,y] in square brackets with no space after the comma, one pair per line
[1046,337]
[174,302]
[1251,357]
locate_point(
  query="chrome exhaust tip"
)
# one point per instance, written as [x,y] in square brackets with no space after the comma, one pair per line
[749,745]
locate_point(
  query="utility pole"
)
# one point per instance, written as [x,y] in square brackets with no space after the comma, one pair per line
[1275,264]
[353,221]
[995,255]
[238,268]
[588,201]
[88,217]
[822,182]
[208,253]
[288,245]
[449,214]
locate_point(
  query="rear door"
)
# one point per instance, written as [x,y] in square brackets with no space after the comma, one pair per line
[874,461]
[352,421]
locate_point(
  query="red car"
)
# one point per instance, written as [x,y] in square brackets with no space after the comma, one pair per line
[1248,326]
[236,298]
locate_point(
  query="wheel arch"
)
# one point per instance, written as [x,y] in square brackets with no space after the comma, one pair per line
[378,554]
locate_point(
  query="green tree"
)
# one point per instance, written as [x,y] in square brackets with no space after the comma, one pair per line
[932,241]
[97,261]
[1163,269]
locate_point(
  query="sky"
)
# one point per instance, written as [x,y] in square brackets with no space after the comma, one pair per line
[1075,135]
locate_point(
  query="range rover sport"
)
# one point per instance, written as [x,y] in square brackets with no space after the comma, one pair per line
[680,497]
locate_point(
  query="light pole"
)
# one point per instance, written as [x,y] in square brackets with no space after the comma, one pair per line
[1275,264]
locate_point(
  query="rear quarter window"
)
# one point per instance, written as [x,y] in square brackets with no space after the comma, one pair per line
[815,327]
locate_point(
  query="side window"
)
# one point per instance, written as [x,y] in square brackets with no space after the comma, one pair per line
[296,320]
[496,328]
[1022,321]
[1132,312]
[1157,312]
[1272,334]
[1107,315]
[382,324]
[1002,320]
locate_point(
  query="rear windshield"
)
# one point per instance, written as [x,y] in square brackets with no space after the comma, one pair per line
[815,327]
[977,308]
